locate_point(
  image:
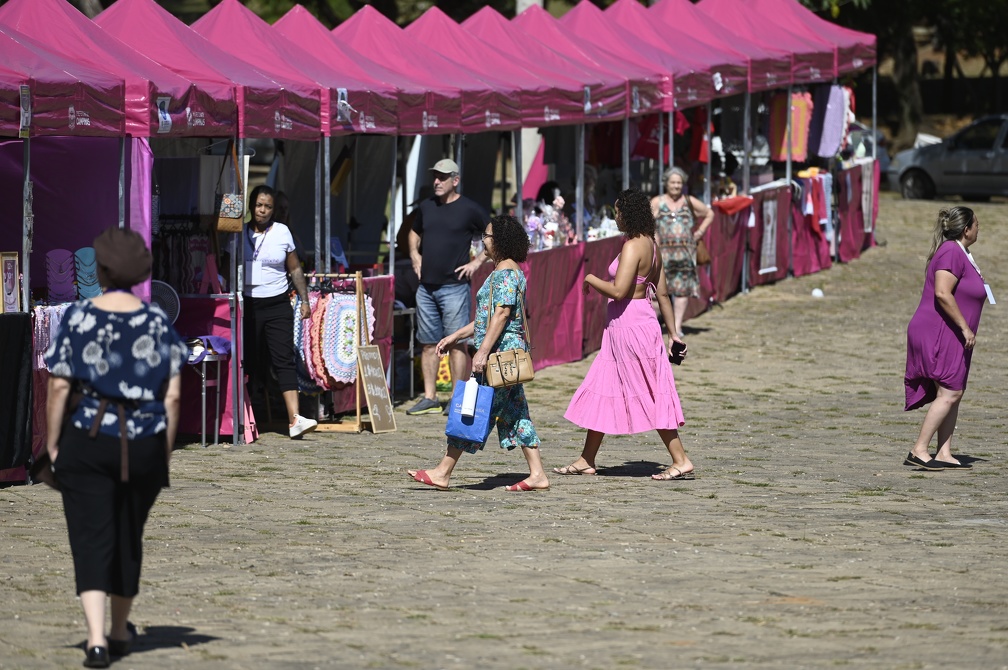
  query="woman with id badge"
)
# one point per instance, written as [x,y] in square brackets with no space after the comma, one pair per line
[270,256]
[942,334]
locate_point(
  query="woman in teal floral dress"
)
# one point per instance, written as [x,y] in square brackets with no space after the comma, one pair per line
[506,244]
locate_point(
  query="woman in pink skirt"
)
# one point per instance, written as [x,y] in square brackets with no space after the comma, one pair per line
[629,387]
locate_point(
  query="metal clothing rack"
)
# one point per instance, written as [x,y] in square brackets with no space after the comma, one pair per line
[357,425]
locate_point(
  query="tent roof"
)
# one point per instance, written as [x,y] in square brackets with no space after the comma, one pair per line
[854,50]
[726,71]
[486,102]
[812,59]
[343,88]
[151,30]
[61,92]
[768,67]
[606,89]
[539,90]
[233,27]
[62,29]
[653,89]
[300,26]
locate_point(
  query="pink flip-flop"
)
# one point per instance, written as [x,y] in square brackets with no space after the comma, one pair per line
[521,486]
[424,478]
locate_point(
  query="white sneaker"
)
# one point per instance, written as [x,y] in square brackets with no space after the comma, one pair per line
[302,425]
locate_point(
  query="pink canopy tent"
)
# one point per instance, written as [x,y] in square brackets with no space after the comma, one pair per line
[726,70]
[649,90]
[689,87]
[606,90]
[299,26]
[854,50]
[151,30]
[236,29]
[812,59]
[342,91]
[158,101]
[546,98]
[60,92]
[769,68]
[487,103]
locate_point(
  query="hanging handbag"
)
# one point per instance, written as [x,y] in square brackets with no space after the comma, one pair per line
[514,366]
[230,206]
[702,254]
[475,428]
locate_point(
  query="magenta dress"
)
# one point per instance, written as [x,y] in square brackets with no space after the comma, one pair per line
[629,387]
[935,351]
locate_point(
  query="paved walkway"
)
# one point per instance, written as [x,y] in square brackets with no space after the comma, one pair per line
[803,543]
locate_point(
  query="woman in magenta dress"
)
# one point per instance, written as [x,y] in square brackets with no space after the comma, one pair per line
[942,334]
[629,387]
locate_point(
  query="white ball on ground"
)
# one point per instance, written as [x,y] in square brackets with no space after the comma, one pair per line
[817,293]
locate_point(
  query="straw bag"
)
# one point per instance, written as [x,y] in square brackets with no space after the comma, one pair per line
[514,366]
[702,254]
[230,206]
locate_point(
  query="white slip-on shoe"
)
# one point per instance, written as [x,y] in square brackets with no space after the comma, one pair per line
[302,425]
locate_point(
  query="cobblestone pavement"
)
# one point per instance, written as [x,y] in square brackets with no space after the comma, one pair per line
[802,543]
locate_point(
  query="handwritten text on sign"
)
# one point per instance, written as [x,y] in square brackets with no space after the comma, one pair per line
[372,372]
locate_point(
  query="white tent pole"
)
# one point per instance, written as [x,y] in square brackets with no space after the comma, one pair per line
[318,203]
[746,142]
[626,153]
[661,153]
[579,187]
[324,258]
[27,227]
[122,182]
[391,222]
[237,331]
[516,147]
[710,157]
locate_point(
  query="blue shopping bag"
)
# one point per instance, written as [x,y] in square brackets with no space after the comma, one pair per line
[473,428]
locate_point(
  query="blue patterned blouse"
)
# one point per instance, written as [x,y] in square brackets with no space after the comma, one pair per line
[505,286]
[118,355]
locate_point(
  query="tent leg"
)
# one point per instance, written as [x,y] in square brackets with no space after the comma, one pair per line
[237,331]
[579,189]
[392,223]
[122,182]
[323,260]
[710,158]
[661,153]
[516,146]
[746,143]
[27,226]
[459,157]
[318,203]
[787,174]
[626,153]
[671,143]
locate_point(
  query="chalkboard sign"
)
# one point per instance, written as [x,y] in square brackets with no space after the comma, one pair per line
[372,372]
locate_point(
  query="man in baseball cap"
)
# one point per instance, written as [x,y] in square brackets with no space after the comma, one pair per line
[439,245]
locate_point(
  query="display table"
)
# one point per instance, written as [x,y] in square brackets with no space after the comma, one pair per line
[200,369]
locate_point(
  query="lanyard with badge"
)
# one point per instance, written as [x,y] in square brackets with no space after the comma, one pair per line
[969,256]
[254,266]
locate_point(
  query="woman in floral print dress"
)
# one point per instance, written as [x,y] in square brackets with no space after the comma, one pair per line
[506,244]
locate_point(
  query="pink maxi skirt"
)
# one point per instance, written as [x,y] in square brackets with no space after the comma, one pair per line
[629,387]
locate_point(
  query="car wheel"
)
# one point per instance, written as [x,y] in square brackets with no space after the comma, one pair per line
[916,185]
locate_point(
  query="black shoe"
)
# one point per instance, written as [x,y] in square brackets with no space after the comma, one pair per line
[950,465]
[123,647]
[913,461]
[97,657]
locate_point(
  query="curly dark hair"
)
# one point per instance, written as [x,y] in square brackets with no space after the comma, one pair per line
[509,238]
[634,217]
